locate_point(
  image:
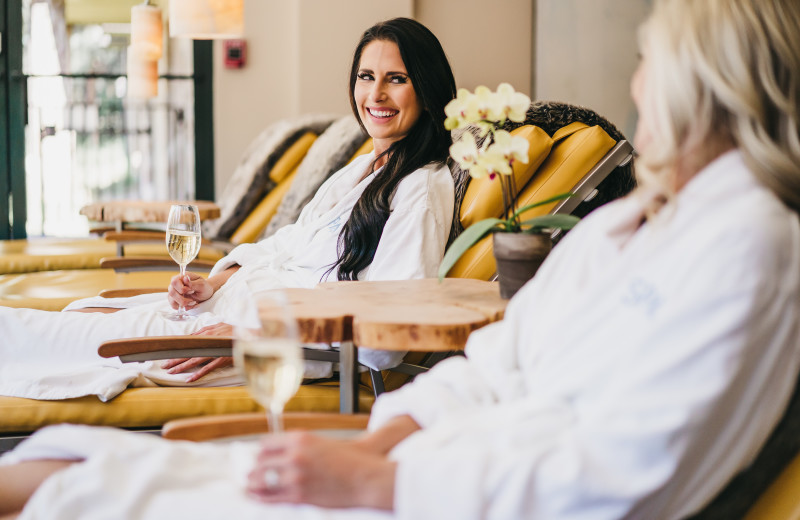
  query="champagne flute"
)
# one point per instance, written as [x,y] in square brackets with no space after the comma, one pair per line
[269,356]
[183,243]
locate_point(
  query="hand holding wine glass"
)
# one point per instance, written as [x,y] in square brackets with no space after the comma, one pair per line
[269,356]
[183,243]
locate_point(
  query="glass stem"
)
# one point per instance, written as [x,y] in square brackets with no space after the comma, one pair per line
[181,308]
[275,419]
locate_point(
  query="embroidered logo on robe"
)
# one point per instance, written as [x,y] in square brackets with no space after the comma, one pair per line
[334,225]
[642,294]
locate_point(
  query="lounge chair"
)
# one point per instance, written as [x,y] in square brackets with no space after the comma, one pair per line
[52,290]
[569,163]
[249,183]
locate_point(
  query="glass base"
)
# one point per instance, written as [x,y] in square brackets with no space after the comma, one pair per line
[176,316]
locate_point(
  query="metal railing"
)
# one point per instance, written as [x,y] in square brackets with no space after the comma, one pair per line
[85,142]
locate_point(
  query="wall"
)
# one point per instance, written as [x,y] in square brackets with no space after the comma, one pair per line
[586,54]
[299,52]
[484,46]
[297,63]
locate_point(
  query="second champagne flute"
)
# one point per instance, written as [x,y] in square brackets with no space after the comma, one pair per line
[270,357]
[183,243]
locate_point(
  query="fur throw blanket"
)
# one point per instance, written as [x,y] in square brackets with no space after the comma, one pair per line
[250,181]
[329,153]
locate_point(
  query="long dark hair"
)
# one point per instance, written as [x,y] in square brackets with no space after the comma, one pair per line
[426,142]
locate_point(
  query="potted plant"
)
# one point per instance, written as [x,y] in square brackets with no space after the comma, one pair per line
[520,246]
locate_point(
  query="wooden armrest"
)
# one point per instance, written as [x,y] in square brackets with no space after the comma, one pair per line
[151,263]
[232,425]
[143,235]
[125,293]
[166,347]
[129,235]
[101,230]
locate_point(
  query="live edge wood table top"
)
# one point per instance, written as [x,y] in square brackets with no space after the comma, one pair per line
[425,315]
[140,211]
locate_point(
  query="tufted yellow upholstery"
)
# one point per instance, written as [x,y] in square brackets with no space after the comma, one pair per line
[258,219]
[292,157]
[53,290]
[282,174]
[781,501]
[51,254]
[367,147]
[484,196]
[576,149]
[152,407]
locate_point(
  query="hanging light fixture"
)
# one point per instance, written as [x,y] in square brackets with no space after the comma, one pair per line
[144,51]
[206,19]
[146,30]
[142,75]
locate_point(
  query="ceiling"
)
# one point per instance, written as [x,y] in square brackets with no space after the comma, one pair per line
[83,12]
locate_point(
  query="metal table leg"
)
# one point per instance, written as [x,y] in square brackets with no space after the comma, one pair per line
[348,377]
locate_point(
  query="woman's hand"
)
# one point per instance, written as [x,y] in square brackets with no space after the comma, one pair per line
[180,365]
[303,468]
[382,440]
[188,290]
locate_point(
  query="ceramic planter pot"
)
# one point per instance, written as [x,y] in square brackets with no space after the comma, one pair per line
[518,257]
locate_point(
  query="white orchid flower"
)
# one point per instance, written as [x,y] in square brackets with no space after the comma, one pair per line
[493,161]
[465,151]
[511,148]
[485,104]
[456,110]
[512,105]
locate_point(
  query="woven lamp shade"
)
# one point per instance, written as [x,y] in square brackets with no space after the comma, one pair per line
[147,31]
[142,75]
[206,19]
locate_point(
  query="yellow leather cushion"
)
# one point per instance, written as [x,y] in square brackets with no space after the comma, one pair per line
[53,290]
[576,150]
[781,500]
[259,218]
[282,174]
[484,196]
[292,157]
[50,254]
[367,147]
[152,407]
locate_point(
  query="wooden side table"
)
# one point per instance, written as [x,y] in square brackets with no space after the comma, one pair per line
[414,315]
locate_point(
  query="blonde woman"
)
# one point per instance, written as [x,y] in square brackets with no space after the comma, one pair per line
[641,369]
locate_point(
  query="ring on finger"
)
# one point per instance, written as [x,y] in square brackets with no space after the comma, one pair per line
[272,478]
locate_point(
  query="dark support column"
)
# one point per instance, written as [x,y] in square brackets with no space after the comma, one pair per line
[203,120]
[12,123]
[5,179]
[17,115]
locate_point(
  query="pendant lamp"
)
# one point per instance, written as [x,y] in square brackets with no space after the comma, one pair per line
[142,74]
[144,51]
[146,30]
[206,19]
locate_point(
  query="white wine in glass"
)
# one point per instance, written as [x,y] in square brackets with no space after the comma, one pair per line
[270,358]
[183,243]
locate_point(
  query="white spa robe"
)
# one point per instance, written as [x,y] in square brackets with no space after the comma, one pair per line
[635,374]
[46,355]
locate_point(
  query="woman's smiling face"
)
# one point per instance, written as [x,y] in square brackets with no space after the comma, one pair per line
[385,98]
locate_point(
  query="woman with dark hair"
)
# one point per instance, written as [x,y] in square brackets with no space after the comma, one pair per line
[385,216]
[639,371]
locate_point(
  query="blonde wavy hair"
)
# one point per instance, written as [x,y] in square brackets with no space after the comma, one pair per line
[724,72]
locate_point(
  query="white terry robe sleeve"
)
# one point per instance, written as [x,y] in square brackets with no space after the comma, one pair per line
[415,234]
[667,409]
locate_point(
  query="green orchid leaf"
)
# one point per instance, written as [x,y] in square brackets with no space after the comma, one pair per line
[465,240]
[543,202]
[537,224]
